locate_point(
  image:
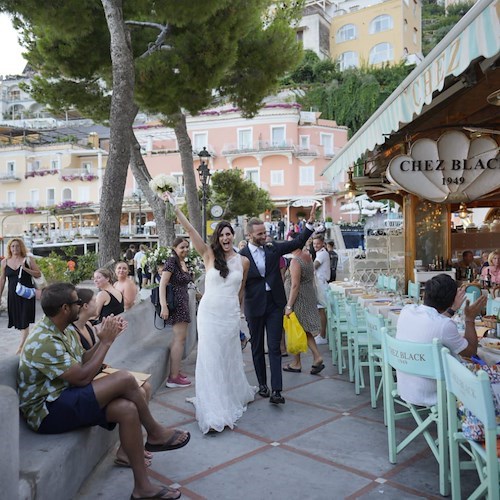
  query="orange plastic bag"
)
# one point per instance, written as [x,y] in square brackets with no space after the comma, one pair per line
[296,338]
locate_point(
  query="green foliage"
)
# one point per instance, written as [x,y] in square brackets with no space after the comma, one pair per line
[437,22]
[85,267]
[238,196]
[53,268]
[353,95]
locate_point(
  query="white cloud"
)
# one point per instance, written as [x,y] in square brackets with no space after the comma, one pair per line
[11,62]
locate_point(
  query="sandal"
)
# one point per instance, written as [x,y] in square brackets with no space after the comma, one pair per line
[171,443]
[165,492]
[288,368]
[315,369]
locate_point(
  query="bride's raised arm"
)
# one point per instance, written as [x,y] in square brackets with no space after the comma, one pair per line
[200,246]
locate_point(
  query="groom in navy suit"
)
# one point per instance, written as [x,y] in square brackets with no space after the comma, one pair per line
[265,300]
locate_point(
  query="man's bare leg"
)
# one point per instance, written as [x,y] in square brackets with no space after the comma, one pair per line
[122,384]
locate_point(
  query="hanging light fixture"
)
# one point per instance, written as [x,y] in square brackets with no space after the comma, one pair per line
[463,211]
[350,186]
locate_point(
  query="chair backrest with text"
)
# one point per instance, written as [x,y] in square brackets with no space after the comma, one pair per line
[474,391]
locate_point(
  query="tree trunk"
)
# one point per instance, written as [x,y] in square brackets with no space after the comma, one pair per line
[186,152]
[164,228]
[122,114]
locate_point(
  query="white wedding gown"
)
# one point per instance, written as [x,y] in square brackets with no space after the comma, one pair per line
[222,389]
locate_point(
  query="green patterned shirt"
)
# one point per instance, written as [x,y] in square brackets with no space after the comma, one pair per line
[47,354]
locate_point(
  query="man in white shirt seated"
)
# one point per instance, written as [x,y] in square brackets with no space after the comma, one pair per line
[432,320]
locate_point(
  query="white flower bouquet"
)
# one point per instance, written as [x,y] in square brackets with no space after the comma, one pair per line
[162,184]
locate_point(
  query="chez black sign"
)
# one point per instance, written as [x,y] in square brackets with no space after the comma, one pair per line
[452,169]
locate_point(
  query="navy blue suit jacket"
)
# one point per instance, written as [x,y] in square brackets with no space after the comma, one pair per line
[255,288]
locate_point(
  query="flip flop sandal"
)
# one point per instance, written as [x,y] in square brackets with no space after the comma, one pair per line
[172,494]
[169,444]
[288,368]
[315,369]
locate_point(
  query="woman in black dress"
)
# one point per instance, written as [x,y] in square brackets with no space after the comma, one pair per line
[109,299]
[176,272]
[21,310]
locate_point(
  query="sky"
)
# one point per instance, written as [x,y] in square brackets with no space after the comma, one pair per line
[11,61]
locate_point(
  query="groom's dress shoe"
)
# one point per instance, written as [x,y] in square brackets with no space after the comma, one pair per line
[264,391]
[277,398]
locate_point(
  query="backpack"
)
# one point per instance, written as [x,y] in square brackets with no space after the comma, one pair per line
[155,300]
[334,259]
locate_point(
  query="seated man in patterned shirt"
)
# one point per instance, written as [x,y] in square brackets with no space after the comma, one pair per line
[58,393]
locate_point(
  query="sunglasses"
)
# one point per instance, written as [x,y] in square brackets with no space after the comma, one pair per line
[78,302]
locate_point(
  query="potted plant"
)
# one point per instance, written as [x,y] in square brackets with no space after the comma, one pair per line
[328,222]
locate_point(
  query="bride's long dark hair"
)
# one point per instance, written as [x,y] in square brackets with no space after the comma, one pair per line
[220,261]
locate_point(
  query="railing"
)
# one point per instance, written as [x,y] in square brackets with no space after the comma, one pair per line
[9,178]
[258,146]
[324,187]
[74,174]
[309,151]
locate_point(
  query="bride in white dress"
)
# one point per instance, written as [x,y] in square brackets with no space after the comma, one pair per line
[222,389]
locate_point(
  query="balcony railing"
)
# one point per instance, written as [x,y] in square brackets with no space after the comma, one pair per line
[9,178]
[324,187]
[77,174]
[258,146]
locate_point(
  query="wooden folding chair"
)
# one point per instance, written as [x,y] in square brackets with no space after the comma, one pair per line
[423,360]
[474,391]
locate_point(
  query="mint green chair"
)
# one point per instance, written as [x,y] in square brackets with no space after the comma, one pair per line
[423,360]
[393,284]
[386,283]
[474,391]
[380,282]
[330,325]
[339,318]
[414,291]
[357,342]
[374,325]
[492,307]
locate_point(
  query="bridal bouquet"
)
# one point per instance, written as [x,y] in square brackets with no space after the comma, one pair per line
[161,184]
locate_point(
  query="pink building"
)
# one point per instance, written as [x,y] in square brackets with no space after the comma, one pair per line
[282,149]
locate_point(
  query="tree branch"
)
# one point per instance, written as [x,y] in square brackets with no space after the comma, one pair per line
[158,44]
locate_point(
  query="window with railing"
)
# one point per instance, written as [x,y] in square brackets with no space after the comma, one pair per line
[33,166]
[304,142]
[346,33]
[11,168]
[200,141]
[382,52]
[381,23]
[245,138]
[306,176]
[87,167]
[326,140]
[14,95]
[54,164]
[278,136]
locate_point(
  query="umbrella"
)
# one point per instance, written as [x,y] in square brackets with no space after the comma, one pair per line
[150,223]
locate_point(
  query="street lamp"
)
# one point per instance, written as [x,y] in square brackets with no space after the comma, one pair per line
[137,195]
[204,173]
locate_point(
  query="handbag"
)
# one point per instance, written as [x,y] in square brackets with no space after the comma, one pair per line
[296,338]
[23,291]
[40,282]
[171,301]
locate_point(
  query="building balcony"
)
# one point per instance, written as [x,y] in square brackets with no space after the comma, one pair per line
[41,172]
[210,149]
[7,178]
[258,147]
[309,152]
[324,187]
[77,174]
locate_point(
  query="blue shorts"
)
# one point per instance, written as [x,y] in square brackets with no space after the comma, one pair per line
[75,408]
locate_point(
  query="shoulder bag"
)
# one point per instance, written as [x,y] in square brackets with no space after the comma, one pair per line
[23,291]
[155,299]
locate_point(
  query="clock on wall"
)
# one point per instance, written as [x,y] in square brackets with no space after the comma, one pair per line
[216,211]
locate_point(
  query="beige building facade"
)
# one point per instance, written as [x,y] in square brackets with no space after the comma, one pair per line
[372,32]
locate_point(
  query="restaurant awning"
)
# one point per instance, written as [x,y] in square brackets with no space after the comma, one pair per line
[476,35]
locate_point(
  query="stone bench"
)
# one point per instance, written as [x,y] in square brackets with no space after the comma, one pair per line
[35,466]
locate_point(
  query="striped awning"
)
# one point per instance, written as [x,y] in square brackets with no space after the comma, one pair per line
[477,34]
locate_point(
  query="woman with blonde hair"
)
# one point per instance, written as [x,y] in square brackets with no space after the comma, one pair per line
[493,270]
[109,299]
[125,284]
[21,311]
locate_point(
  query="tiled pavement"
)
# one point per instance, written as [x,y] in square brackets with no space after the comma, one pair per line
[325,442]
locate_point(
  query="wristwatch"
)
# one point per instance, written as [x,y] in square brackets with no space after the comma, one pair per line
[450,311]
[288,307]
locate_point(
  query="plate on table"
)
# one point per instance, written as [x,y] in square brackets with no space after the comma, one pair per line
[491,345]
